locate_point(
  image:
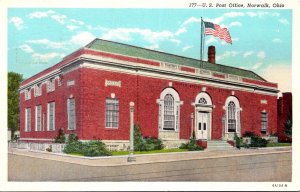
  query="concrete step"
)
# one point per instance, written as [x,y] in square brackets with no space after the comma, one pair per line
[219,145]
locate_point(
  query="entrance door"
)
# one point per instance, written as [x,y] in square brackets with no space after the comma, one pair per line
[201,125]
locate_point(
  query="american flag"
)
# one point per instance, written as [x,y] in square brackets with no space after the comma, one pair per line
[217,31]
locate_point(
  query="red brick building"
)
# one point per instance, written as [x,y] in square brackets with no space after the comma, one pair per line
[89,92]
[285,111]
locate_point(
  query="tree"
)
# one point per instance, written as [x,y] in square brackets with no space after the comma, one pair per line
[289,125]
[14,80]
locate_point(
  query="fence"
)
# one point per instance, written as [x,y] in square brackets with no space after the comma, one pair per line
[50,147]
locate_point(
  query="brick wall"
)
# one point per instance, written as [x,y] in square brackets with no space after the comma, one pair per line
[90,93]
[284,110]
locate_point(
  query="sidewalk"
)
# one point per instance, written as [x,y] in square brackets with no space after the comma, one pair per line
[147,158]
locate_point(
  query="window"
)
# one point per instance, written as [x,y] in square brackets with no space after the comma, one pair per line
[27,119]
[38,121]
[231,117]
[232,107]
[51,116]
[112,113]
[71,114]
[38,90]
[28,94]
[169,116]
[51,85]
[169,110]
[202,101]
[264,122]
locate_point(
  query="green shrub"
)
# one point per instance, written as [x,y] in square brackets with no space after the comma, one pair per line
[72,138]
[257,141]
[154,143]
[90,148]
[238,141]
[73,147]
[95,148]
[61,137]
[249,134]
[191,145]
[145,144]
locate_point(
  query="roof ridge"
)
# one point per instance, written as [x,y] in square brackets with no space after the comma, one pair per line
[135,46]
[89,45]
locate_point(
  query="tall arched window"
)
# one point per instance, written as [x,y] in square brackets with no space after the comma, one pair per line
[169,115]
[169,110]
[231,117]
[232,107]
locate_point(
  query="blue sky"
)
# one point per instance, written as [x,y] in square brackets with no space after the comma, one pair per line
[262,39]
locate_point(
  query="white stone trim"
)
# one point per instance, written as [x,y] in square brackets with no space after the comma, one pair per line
[177,102]
[150,67]
[205,96]
[36,139]
[171,77]
[43,78]
[237,114]
[175,72]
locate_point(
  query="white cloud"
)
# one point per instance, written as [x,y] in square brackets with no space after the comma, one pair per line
[17,22]
[234,14]
[277,40]
[284,21]
[154,46]
[98,28]
[227,54]
[128,34]
[40,14]
[248,53]
[77,21]
[175,41]
[242,67]
[82,38]
[26,48]
[72,27]
[191,20]
[216,20]
[210,40]
[284,80]
[180,31]
[46,57]
[261,55]
[275,14]
[262,14]
[235,23]
[48,43]
[235,39]
[257,14]
[59,18]
[256,66]
[186,48]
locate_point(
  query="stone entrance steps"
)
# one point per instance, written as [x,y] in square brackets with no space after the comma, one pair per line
[219,145]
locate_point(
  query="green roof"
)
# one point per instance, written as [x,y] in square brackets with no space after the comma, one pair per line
[134,51]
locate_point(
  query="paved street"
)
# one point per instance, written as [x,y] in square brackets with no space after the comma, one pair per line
[270,164]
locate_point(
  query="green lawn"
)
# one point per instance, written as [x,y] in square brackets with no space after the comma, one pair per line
[76,154]
[114,153]
[278,144]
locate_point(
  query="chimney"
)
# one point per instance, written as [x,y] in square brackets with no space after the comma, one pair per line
[211,54]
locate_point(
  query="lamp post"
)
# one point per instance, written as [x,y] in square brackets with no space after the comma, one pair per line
[192,124]
[131,158]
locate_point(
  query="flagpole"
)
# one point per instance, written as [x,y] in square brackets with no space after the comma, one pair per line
[203,43]
[201,46]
